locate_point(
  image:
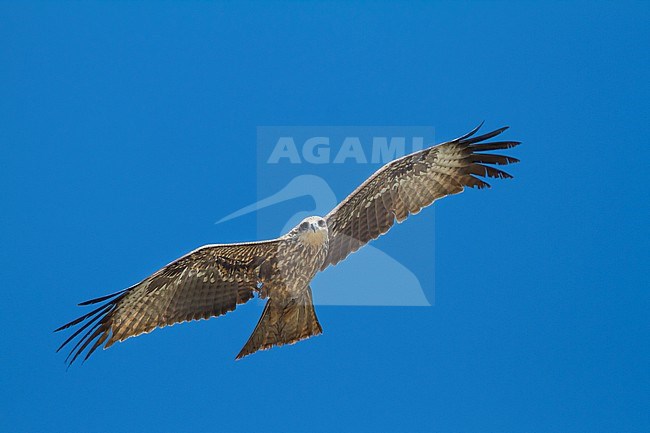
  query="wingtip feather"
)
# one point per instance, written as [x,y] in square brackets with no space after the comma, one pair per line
[100,299]
[470,133]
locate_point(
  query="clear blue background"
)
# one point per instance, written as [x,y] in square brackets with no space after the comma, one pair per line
[126,130]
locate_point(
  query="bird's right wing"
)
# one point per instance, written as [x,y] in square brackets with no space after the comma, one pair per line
[207,282]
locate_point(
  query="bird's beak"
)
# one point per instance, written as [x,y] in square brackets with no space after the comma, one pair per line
[313,227]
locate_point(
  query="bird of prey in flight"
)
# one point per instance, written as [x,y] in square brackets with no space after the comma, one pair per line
[212,280]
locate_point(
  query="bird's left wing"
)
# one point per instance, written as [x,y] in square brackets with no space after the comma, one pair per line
[207,282]
[408,184]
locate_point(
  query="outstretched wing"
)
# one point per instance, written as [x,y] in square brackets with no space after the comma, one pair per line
[408,184]
[207,282]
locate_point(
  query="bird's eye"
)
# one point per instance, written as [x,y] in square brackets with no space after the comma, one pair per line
[304,226]
[321,223]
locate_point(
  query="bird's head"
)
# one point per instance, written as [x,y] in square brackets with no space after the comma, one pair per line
[312,230]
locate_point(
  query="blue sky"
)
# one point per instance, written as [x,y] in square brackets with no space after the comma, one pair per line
[128,129]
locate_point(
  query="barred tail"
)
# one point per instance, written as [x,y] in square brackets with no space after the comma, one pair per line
[283,321]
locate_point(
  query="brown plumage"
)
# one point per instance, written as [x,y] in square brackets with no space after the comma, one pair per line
[214,279]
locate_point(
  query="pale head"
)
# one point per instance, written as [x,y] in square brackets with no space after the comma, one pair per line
[312,230]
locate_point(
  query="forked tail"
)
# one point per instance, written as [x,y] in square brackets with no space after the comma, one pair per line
[283,321]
